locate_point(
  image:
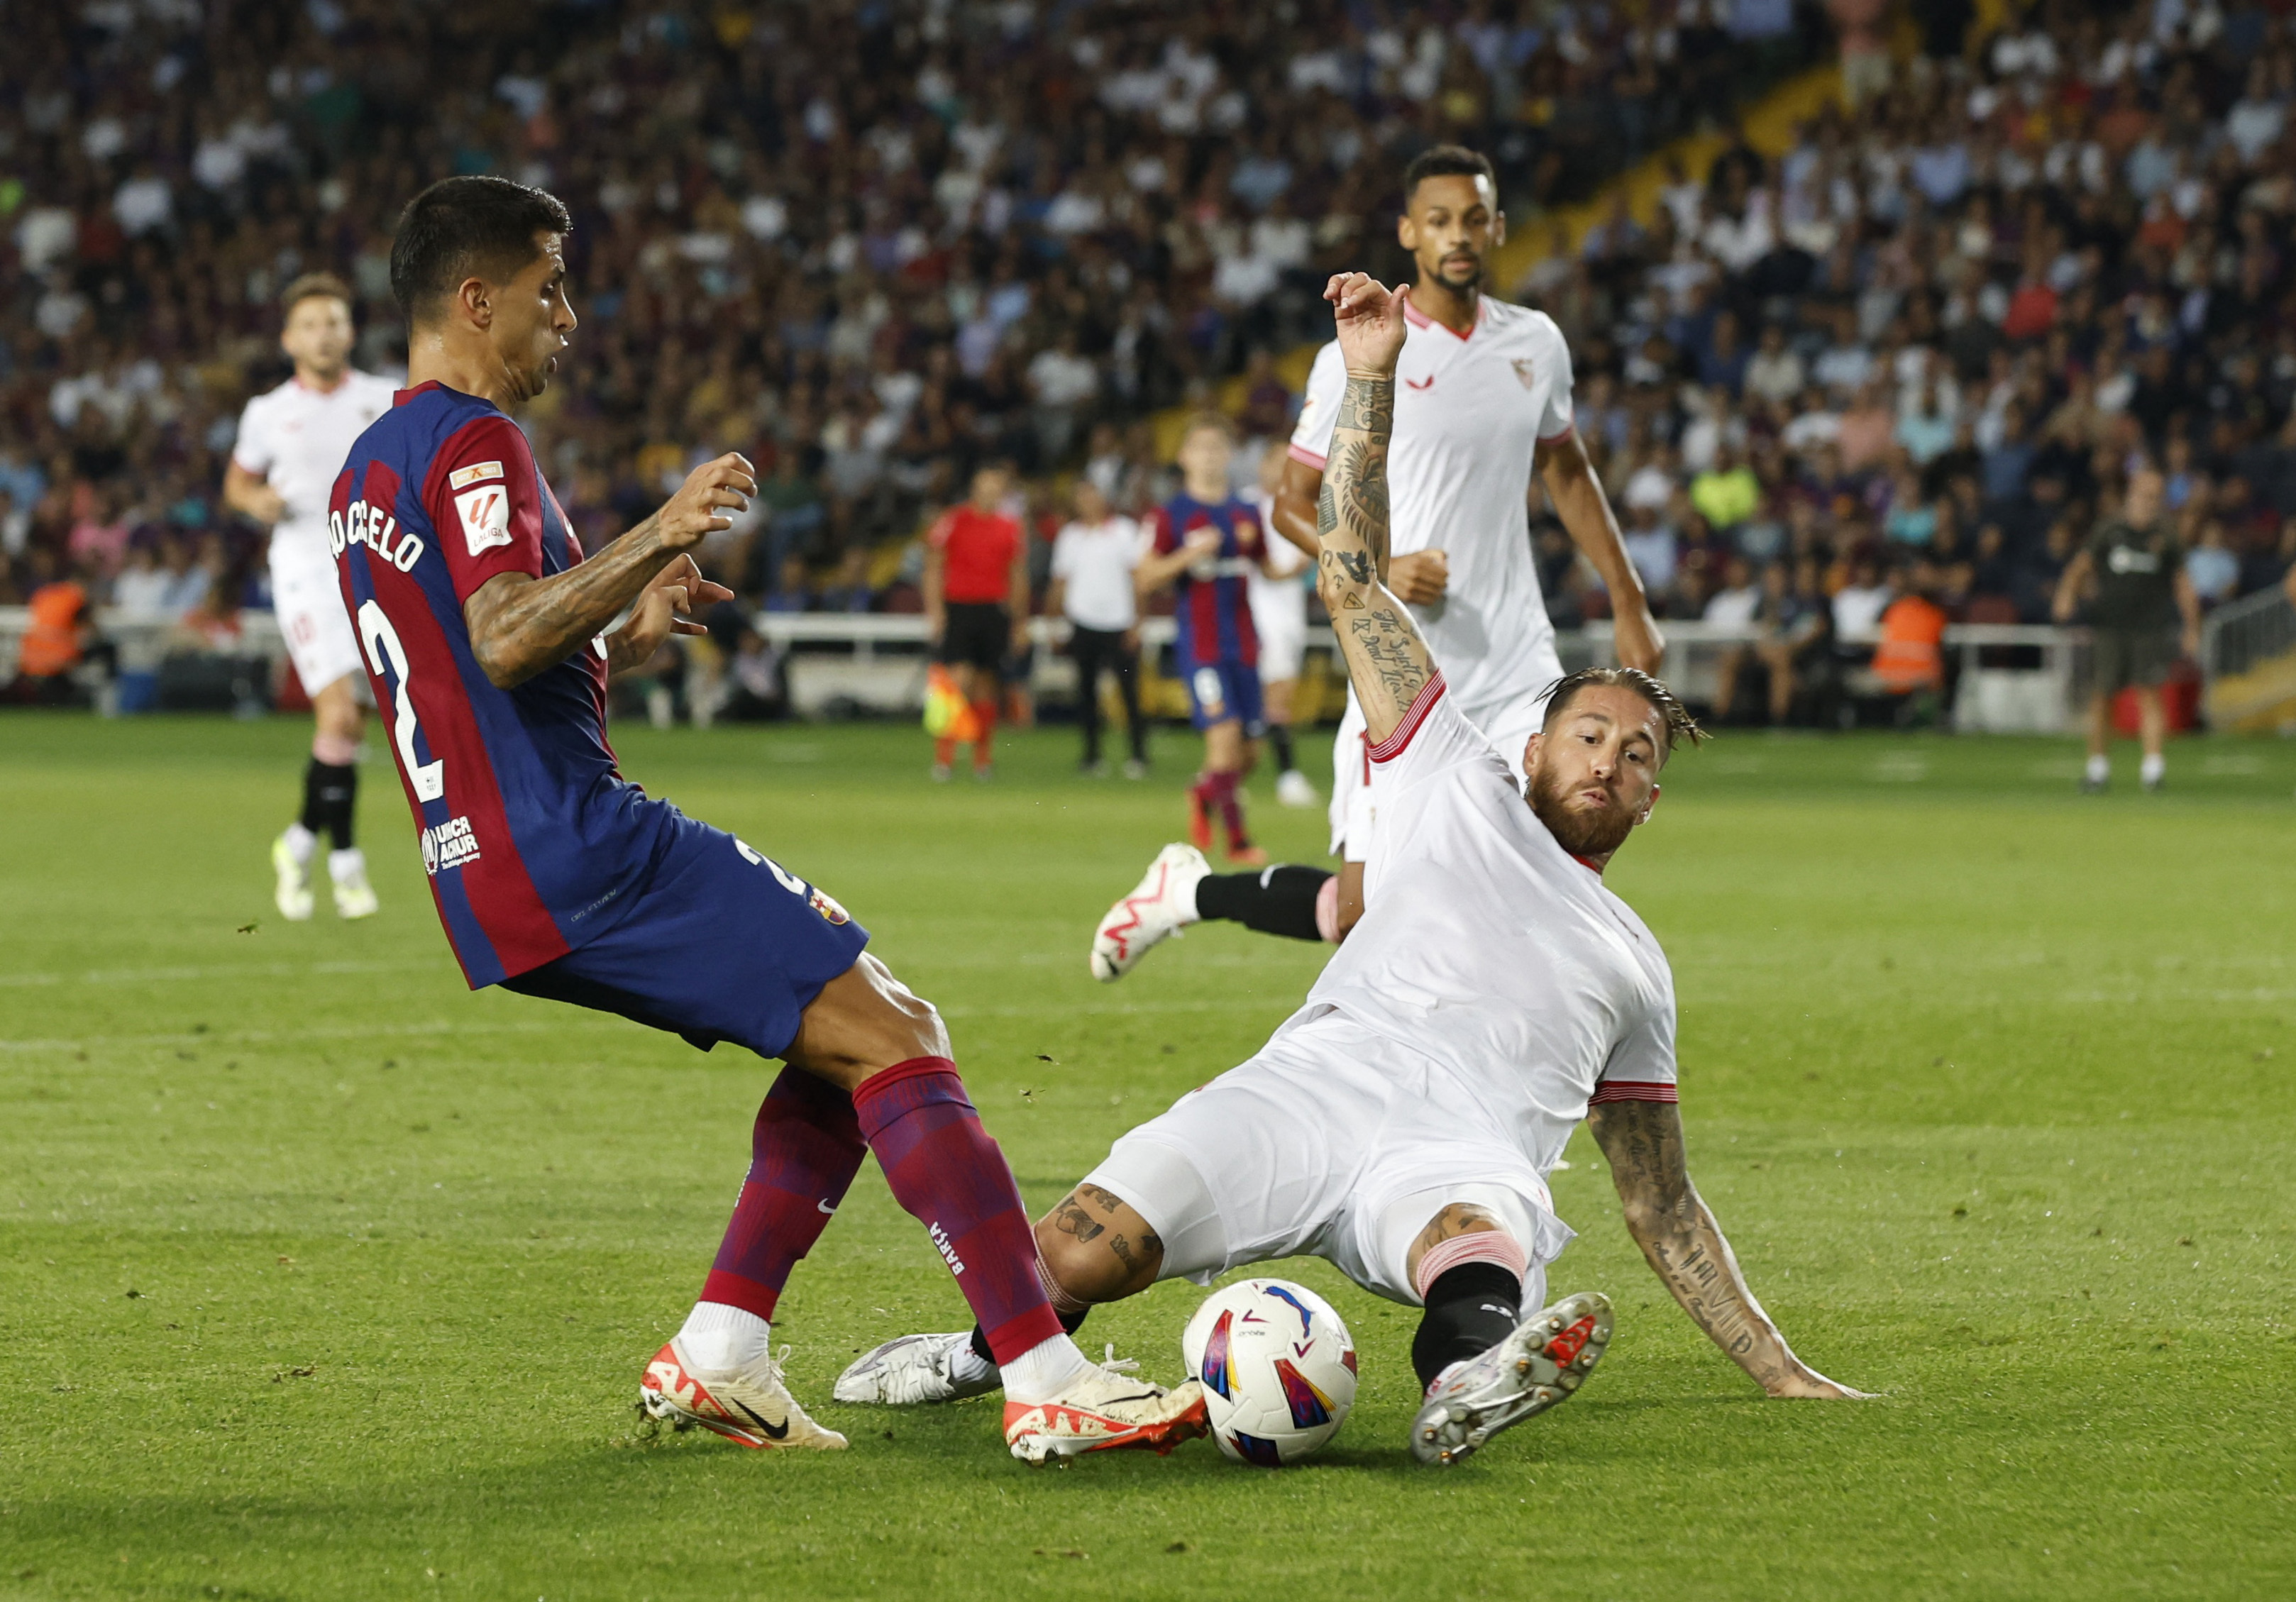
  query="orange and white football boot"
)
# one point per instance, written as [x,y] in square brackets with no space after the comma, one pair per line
[1103,1410]
[749,1406]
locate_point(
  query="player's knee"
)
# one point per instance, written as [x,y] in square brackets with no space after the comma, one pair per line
[1455,1220]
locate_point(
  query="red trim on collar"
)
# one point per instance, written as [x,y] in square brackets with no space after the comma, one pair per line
[1593,867]
[1420,319]
[401,396]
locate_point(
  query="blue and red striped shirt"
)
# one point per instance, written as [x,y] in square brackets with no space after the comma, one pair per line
[534,842]
[1213,598]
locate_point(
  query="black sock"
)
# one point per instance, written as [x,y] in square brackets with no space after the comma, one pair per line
[1470,1309]
[1279,734]
[1071,1322]
[1275,900]
[330,792]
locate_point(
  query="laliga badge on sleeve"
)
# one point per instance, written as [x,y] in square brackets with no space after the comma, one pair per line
[485,516]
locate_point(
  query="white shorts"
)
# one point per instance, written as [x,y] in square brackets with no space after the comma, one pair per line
[1282,648]
[1334,1142]
[1354,810]
[307,597]
[1280,619]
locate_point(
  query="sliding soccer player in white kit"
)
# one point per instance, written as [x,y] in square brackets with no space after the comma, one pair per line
[291,444]
[1401,1125]
[1485,395]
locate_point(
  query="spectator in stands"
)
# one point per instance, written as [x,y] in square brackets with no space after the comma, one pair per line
[1093,558]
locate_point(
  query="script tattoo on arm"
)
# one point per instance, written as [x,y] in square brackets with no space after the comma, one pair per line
[1643,1143]
[1387,657]
[520,625]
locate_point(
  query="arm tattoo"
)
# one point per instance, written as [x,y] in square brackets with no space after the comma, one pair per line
[520,626]
[1386,655]
[1642,1142]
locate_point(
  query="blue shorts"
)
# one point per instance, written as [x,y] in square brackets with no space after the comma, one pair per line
[1225,693]
[723,944]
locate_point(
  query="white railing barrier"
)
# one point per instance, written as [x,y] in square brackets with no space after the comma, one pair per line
[875,661]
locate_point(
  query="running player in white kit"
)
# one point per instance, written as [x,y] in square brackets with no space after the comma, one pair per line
[1401,1125]
[291,444]
[1485,395]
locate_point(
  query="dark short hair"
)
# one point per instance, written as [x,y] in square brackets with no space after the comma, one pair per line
[462,226]
[1679,725]
[314,286]
[1447,161]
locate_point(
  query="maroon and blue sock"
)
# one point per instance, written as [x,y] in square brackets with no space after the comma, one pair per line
[1225,796]
[945,1169]
[805,1149]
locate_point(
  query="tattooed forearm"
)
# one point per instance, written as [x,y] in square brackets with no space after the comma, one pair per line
[519,625]
[1387,658]
[1642,1142]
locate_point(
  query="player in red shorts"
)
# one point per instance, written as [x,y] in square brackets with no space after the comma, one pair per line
[483,631]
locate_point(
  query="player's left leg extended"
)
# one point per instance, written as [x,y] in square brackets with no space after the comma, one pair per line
[867,1033]
[1485,1366]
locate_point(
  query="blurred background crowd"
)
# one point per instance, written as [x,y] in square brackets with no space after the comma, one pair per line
[878,244]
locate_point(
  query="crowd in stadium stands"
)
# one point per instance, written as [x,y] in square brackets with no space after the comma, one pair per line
[1919,352]
[875,244]
[870,243]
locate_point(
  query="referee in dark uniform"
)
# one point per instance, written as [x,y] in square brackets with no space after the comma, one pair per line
[2143,613]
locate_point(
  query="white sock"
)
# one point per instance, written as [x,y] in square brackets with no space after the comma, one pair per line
[2154,765]
[2100,768]
[302,843]
[718,1336]
[969,1368]
[346,865]
[1042,1372]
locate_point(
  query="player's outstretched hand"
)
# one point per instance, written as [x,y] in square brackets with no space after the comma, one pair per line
[703,504]
[1370,318]
[1805,1384]
[662,610]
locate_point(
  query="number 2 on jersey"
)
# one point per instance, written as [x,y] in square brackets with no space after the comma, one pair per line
[381,641]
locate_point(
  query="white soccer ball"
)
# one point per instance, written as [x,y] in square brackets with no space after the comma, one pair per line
[1278,1369]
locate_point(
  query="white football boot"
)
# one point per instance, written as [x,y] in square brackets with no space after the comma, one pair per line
[293,895]
[1549,1357]
[1163,903]
[747,1405]
[1103,1409]
[354,896]
[1294,788]
[914,1370]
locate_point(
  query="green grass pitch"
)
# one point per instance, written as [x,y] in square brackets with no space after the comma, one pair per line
[322,1277]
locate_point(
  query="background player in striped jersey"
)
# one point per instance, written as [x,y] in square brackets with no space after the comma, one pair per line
[484,631]
[1207,541]
[1401,1125]
[1485,395]
[292,443]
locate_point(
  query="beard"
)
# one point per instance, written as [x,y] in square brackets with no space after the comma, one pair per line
[1581,833]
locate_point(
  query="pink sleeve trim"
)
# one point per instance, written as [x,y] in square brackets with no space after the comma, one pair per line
[1398,738]
[1300,453]
[1629,1090]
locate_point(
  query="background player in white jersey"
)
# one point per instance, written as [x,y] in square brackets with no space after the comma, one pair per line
[1402,1123]
[291,444]
[1485,395]
[1279,617]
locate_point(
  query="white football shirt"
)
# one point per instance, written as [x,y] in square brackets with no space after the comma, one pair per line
[1470,411]
[296,438]
[1488,948]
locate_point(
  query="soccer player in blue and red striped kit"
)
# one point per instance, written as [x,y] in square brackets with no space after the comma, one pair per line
[483,629]
[1208,541]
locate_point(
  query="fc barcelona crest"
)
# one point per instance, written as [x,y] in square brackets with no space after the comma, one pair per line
[1527,371]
